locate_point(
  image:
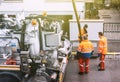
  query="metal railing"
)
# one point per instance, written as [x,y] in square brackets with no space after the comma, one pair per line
[112,31]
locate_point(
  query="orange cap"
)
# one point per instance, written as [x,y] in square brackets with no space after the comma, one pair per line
[34,22]
[44,13]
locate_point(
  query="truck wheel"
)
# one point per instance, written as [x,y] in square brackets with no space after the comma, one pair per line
[9,77]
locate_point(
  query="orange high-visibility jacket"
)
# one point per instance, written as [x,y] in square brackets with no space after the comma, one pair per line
[102,45]
[85,46]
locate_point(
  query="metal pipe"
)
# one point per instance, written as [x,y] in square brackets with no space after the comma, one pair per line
[77,18]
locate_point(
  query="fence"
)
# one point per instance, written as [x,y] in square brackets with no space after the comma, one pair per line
[112,31]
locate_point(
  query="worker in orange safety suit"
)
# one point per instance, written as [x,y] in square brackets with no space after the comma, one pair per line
[83,33]
[102,50]
[85,48]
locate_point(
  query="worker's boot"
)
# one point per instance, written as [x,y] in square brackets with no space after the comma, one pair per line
[102,66]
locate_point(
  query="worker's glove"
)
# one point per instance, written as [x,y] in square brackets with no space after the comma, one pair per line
[99,54]
[78,52]
[77,56]
[92,52]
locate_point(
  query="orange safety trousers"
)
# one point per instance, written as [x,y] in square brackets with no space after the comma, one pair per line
[81,62]
[102,61]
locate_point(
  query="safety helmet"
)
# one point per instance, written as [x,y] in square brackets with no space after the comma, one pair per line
[44,13]
[34,22]
[86,25]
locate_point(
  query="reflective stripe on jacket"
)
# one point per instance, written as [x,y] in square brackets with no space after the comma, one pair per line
[85,46]
[102,45]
